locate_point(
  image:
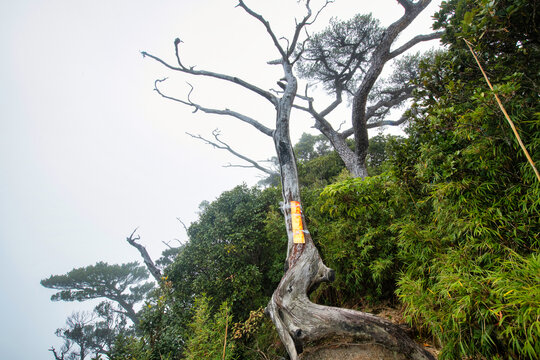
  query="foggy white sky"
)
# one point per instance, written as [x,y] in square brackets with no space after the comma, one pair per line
[88,151]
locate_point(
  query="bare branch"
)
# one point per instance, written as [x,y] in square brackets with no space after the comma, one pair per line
[265,130]
[300,51]
[167,244]
[191,70]
[298,30]
[335,103]
[387,123]
[183,224]
[401,120]
[319,11]
[266,25]
[224,146]
[341,125]
[347,133]
[311,110]
[291,47]
[304,97]
[415,40]
[60,356]
[303,24]
[286,40]
[386,104]
[156,273]
[303,108]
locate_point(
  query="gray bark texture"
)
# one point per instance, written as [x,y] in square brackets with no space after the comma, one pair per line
[379,58]
[152,268]
[298,320]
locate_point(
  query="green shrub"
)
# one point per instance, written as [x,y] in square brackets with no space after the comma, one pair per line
[470,275]
[352,221]
[128,348]
[208,333]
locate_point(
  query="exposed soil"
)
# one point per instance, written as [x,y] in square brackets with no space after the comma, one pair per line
[343,351]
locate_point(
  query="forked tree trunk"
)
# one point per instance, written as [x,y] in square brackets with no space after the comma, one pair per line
[355,161]
[298,320]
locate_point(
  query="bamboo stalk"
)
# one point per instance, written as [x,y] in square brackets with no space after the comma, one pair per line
[225,341]
[504,112]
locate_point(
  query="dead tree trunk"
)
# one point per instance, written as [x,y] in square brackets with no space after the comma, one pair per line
[152,268]
[298,321]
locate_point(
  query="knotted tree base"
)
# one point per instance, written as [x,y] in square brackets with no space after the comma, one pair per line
[302,323]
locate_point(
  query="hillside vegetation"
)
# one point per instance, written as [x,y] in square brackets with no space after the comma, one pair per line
[446,229]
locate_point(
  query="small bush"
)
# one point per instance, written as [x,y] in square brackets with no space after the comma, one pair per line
[208,333]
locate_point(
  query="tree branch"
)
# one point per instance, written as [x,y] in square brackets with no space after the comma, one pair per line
[291,47]
[347,133]
[386,123]
[266,24]
[415,40]
[224,146]
[406,4]
[56,356]
[303,24]
[328,2]
[401,120]
[267,95]
[335,103]
[400,96]
[265,130]
[299,26]
[156,273]
[183,224]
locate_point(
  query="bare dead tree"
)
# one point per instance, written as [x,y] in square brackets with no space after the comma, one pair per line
[297,320]
[349,58]
[152,268]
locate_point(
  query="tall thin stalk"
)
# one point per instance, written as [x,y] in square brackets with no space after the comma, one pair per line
[225,340]
[504,112]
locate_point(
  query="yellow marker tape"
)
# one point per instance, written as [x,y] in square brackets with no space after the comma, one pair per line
[297,227]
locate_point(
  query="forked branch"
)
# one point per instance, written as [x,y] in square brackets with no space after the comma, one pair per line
[62,354]
[303,23]
[191,70]
[415,40]
[266,24]
[265,130]
[132,240]
[292,45]
[220,144]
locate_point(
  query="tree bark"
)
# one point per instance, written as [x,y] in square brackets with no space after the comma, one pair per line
[129,312]
[299,321]
[354,163]
[152,268]
[379,58]
[355,160]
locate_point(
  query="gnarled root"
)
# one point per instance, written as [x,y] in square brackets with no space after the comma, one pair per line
[300,321]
